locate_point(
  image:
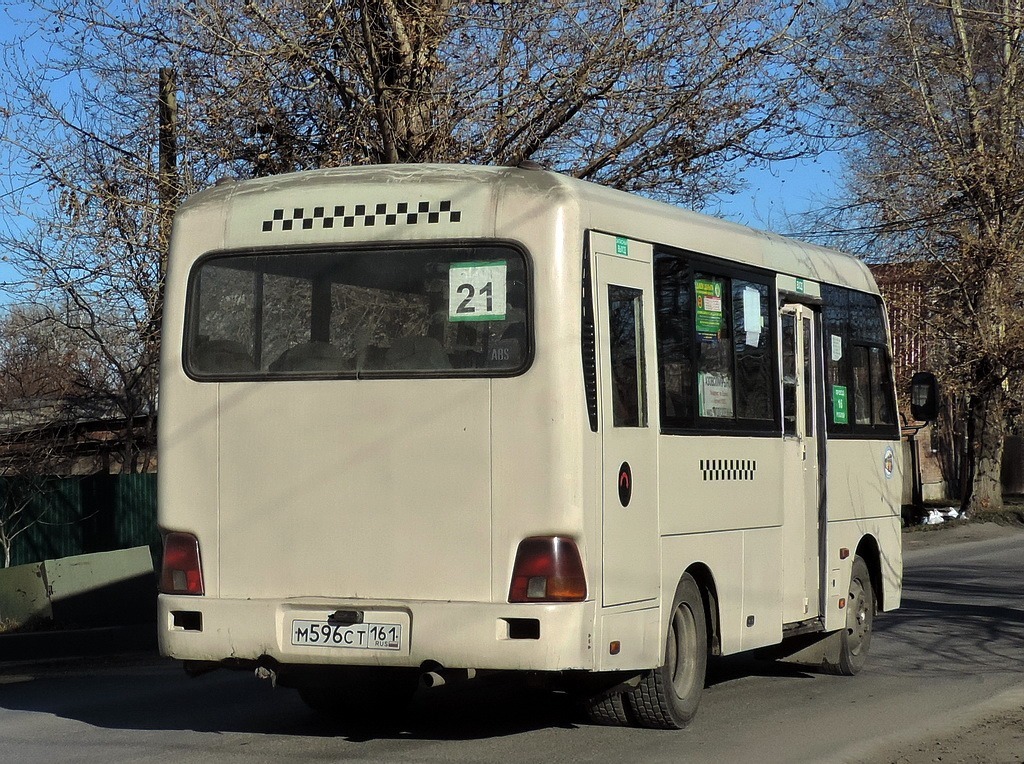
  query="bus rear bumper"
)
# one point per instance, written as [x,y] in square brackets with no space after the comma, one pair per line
[530,637]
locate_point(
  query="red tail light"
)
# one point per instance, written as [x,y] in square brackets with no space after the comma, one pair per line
[548,569]
[181,572]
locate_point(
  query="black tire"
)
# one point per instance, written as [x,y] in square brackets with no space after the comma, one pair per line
[609,710]
[855,639]
[667,697]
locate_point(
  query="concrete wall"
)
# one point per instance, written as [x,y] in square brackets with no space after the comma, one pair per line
[101,589]
[23,596]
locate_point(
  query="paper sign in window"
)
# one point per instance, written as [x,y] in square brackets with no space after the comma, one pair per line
[837,347]
[715,394]
[752,316]
[477,291]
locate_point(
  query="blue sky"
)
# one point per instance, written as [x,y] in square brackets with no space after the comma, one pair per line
[779,195]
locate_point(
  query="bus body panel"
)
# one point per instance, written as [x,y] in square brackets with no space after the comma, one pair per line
[747,576]
[762,615]
[453,634]
[294,209]
[849,535]
[325,467]
[719,483]
[629,637]
[720,553]
[864,487]
[188,424]
[865,479]
[541,470]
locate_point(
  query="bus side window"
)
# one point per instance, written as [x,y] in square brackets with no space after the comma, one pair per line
[674,318]
[870,384]
[857,364]
[882,412]
[752,352]
[861,386]
[629,388]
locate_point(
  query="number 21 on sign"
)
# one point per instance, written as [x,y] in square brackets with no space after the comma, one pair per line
[476,291]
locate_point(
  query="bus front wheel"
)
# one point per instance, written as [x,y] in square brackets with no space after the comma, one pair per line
[853,641]
[667,697]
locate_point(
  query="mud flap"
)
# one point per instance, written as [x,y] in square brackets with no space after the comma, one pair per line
[816,650]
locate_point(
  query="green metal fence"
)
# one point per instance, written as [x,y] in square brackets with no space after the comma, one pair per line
[79,515]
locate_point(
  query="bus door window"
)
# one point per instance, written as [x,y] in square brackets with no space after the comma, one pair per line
[809,380]
[629,388]
[789,373]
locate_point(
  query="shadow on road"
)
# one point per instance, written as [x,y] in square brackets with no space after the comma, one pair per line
[956,620]
[163,698]
[960,618]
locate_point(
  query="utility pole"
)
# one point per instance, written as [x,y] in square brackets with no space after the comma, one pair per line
[169,186]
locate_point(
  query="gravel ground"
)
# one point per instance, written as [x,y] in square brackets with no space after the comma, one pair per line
[989,737]
[993,734]
[997,739]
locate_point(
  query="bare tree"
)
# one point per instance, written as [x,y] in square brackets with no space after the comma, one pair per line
[23,506]
[81,206]
[932,90]
[666,98]
[44,372]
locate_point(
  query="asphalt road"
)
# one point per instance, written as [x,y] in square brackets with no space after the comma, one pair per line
[951,655]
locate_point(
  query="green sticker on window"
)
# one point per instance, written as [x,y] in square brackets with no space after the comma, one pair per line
[840,412]
[621,246]
[709,307]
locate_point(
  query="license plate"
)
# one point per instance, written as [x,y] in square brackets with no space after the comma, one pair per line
[360,636]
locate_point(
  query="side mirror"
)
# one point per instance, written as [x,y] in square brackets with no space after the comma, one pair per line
[924,397]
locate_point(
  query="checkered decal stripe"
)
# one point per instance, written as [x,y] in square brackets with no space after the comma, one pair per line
[728,469]
[362,216]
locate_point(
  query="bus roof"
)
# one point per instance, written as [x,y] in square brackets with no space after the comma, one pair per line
[601,209]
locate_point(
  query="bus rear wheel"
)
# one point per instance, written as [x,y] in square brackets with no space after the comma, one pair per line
[608,709]
[668,696]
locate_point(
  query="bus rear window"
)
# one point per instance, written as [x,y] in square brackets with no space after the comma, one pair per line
[433,311]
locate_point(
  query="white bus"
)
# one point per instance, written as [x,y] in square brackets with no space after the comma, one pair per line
[424,421]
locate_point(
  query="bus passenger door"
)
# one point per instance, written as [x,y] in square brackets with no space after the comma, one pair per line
[624,312]
[801,364]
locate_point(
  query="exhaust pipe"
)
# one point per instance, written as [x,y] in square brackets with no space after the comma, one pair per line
[264,673]
[442,676]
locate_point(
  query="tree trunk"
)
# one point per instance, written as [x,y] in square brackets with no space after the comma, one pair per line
[986,428]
